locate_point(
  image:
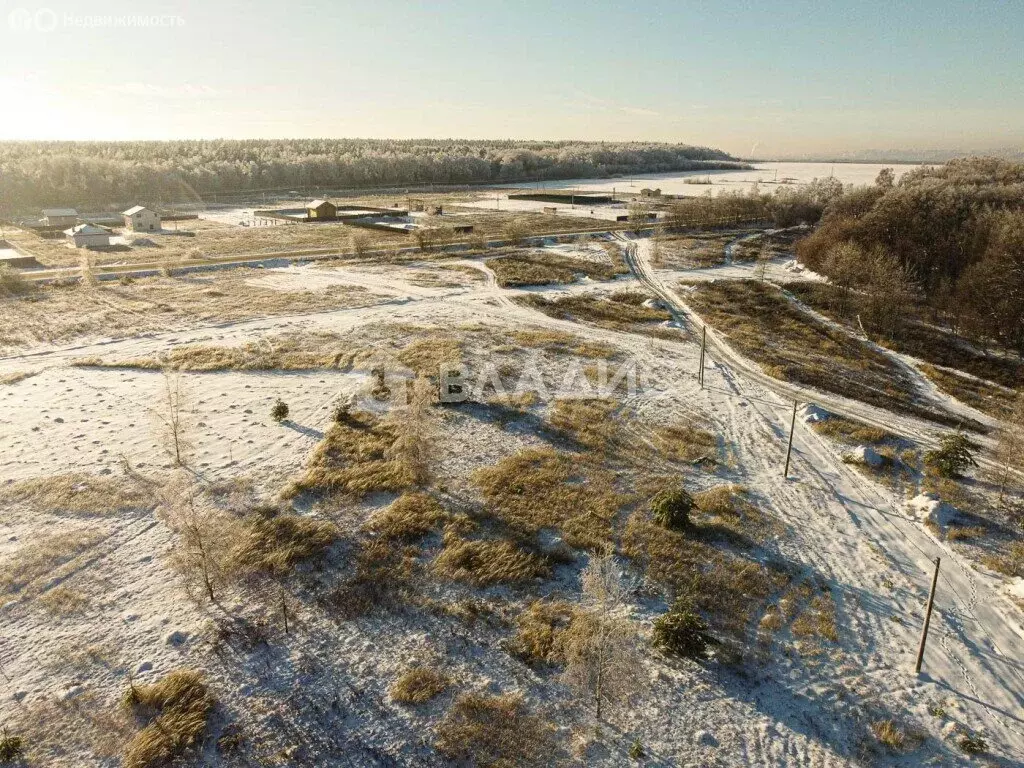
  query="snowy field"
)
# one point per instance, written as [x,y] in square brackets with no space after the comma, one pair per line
[854,535]
[767,175]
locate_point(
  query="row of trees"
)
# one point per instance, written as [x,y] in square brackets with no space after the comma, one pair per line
[34,174]
[950,237]
[788,206]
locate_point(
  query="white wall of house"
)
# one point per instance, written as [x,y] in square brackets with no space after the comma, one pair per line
[82,240]
[143,221]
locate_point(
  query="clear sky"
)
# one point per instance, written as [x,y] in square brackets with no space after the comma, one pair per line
[765,78]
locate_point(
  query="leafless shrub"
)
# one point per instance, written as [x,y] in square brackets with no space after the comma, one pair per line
[173,416]
[203,549]
[602,658]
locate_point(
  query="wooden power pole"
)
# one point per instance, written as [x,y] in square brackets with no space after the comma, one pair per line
[789,449]
[703,347]
[927,617]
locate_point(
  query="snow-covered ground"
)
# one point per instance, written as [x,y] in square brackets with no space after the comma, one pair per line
[768,175]
[852,533]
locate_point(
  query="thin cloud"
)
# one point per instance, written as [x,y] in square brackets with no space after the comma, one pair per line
[178,91]
[640,111]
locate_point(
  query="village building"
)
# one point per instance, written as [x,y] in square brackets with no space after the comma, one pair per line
[60,217]
[321,209]
[89,236]
[141,219]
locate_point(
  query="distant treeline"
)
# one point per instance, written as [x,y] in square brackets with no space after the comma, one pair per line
[35,174]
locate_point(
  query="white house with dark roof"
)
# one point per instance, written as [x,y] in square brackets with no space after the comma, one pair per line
[60,217]
[88,236]
[141,219]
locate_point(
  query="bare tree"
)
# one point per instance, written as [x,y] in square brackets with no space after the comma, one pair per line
[600,647]
[415,430]
[202,550]
[359,243]
[172,415]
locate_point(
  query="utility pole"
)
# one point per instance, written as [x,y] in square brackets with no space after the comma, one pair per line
[789,450]
[927,617]
[703,347]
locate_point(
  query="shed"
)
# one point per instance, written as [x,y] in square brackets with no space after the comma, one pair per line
[60,217]
[321,209]
[88,236]
[141,219]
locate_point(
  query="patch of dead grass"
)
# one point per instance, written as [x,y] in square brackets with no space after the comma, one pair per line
[411,516]
[791,345]
[176,710]
[538,628]
[495,732]
[276,544]
[543,488]
[483,562]
[80,494]
[418,685]
[622,311]
[728,587]
[15,376]
[355,458]
[984,395]
[42,555]
[546,268]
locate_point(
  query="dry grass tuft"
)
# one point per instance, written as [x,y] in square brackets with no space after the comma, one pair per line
[63,600]
[383,576]
[495,732]
[355,458]
[485,562]
[538,629]
[80,494]
[818,618]
[426,355]
[1010,563]
[411,516]
[418,685]
[176,710]
[543,488]
[852,432]
[896,737]
[15,376]
[986,396]
[275,545]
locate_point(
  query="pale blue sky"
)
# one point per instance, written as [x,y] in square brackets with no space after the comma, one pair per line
[786,78]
